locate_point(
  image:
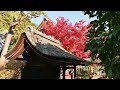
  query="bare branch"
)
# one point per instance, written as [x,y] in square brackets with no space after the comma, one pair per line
[14,24]
[22,18]
[18,21]
[5,21]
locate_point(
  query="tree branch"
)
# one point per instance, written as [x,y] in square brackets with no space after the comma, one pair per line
[14,24]
[17,22]
[5,21]
[22,18]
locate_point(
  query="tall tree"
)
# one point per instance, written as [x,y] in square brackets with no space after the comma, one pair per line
[15,22]
[105,40]
[72,37]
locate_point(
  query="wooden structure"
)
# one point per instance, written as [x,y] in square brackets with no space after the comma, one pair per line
[43,55]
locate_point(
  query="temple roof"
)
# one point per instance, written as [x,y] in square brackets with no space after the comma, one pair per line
[44,46]
[50,47]
[47,47]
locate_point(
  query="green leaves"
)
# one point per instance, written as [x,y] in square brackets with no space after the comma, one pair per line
[34,14]
[118,37]
[114,33]
[107,44]
[110,74]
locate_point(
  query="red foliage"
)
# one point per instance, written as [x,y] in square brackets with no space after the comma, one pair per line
[72,37]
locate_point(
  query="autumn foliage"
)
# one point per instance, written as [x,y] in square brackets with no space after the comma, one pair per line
[72,37]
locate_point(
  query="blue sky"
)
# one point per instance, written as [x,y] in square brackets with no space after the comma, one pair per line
[73,16]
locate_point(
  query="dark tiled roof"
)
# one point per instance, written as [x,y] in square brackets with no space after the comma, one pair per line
[50,47]
[45,47]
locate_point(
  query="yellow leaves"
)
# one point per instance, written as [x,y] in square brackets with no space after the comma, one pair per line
[8,16]
[7,73]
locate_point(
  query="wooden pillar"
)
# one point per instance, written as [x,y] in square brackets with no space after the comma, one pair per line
[74,71]
[71,75]
[64,69]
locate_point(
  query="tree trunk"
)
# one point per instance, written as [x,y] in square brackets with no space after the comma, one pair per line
[12,26]
[3,61]
[6,45]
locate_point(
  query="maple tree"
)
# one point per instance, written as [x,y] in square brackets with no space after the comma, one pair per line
[72,37]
